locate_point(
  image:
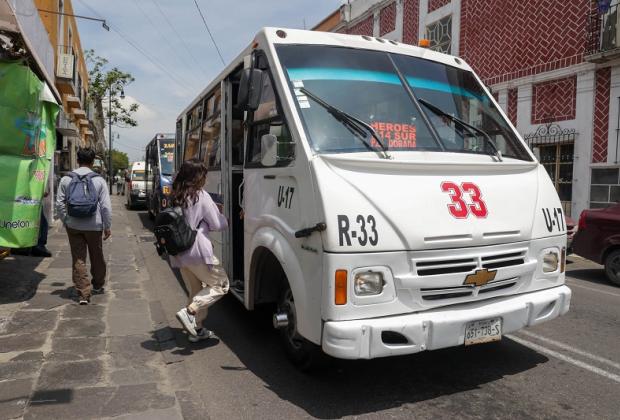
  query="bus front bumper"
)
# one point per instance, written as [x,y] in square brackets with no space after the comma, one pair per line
[443,327]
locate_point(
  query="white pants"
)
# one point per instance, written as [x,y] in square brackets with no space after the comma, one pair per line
[206,284]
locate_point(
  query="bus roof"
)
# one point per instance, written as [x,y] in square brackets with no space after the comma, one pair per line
[269,36]
[163,136]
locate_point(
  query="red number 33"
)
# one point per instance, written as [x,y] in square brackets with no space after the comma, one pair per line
[458,208]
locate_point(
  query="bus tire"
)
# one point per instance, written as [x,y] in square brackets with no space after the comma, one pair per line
[304,354]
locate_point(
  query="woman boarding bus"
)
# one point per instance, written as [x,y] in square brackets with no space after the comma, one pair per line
[389,206]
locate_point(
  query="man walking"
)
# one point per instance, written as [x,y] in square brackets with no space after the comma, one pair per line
[84,207]
[119,182]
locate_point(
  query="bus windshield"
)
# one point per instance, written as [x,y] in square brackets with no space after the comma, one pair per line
[166,157]
[368,85]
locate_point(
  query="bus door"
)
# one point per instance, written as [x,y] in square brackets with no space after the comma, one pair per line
[232,180]
[211,155]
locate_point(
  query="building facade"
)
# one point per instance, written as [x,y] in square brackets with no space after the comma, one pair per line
[77,125]
[49,32]
[554,68]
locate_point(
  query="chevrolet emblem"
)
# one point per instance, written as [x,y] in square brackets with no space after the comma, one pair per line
[480,277]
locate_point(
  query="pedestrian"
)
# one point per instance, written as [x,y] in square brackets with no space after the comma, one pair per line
[119,183]
[204,278]
[84,208]
[125,180]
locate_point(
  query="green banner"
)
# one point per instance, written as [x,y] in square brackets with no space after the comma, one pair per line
[27,144]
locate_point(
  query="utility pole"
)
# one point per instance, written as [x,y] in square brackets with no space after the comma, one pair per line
[110,172]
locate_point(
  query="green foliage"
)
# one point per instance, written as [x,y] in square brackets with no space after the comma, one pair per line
[120,160]
[100,80]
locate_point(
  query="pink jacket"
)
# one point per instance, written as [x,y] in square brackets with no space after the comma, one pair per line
[205,210]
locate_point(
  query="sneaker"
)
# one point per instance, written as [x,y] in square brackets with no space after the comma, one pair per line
[201,334]
[99,291]
[188,321]
[84,301]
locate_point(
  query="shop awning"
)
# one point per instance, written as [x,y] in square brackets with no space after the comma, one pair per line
[10,22]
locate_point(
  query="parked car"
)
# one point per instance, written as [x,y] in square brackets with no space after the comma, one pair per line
[136,185]
[598,239]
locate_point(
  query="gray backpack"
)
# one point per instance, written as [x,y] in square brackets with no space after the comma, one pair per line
[81,196]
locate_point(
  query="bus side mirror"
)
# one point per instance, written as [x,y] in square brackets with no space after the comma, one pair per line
[250,88]
[269,150]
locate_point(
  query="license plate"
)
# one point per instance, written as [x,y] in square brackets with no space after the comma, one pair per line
[477,332]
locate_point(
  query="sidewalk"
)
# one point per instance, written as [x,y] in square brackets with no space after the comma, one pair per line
[114,357]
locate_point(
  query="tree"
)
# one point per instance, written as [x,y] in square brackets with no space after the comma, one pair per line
[100,80]
[120,160]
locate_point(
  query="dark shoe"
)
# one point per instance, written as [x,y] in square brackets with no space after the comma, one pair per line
[42,251]
[201,334]
[97,291]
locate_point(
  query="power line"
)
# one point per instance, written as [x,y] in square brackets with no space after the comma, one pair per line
[210,34]
[137,48]
[130,147]
[154,26]
[189,52]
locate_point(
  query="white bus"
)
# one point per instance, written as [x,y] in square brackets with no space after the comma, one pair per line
[389,206]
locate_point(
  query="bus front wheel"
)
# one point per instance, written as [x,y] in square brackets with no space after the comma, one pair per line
[304,354]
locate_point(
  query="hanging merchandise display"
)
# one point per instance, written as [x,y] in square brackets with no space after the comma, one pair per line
[27,142]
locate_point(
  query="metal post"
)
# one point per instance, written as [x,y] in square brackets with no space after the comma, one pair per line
[110,175]
[617,131]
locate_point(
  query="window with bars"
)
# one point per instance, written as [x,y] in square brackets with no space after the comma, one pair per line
[439,33]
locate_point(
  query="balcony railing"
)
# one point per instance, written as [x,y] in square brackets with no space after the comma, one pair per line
[66,126]
[603,34]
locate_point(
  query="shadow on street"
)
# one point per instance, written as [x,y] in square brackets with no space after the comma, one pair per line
[592,275]
[347,388]
[19,279]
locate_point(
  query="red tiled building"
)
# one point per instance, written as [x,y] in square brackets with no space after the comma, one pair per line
[553,66]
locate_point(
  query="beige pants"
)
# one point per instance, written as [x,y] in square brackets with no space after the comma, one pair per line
[206,284]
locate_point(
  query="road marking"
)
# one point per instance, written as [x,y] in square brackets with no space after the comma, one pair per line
[572,349]
[572,283]
[567,359]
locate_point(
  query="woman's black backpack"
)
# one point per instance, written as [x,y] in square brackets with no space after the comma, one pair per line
[173,233]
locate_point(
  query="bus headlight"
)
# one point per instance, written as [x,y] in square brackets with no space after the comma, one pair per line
[550,261]
[368,283]
[166,189]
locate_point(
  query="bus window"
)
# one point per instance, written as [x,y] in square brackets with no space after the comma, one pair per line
[192,143]
[267,120]
[166,152]
[210,146]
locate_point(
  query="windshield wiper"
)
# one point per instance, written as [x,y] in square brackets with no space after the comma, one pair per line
[356,126]
[469,127]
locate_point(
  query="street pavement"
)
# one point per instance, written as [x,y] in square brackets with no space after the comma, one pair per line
[125,355]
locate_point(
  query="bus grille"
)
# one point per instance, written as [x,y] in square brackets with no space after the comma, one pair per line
[464,291]
[465,265]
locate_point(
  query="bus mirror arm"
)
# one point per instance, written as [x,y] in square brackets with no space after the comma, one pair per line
[304,233]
